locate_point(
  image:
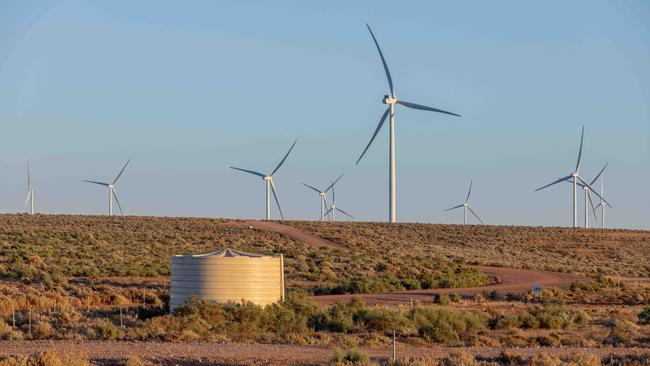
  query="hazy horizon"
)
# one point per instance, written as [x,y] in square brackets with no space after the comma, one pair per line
[187,91]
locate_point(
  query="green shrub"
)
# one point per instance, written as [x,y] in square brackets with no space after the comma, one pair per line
[644,316]
[441,299]
[106,330]
[441,325]
[351,358]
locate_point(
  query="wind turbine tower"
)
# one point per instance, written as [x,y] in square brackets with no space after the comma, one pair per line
[323,196]
[465,206]
[268,182]
[574,177]
[391,100]
[111,190]
[31,190]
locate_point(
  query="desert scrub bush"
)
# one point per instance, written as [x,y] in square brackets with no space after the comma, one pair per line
[351,358]
[644,316]
[442,325]
[106,330]
[354,316]
[623,332]
[441,299]
[548,316]
[45,358]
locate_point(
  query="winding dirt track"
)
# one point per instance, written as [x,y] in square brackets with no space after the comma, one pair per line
[293,233]
[510,280]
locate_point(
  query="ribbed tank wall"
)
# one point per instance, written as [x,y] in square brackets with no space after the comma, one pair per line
[222,279]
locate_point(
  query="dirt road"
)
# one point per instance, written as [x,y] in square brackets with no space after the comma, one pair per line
[510,280]
[186,354]
[293,233]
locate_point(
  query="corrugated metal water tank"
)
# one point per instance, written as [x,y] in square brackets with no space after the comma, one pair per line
[227,275]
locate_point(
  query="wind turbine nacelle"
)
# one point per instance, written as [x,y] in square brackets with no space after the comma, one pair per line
[388,100]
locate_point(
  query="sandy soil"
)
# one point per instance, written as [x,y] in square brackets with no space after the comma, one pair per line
[111,352]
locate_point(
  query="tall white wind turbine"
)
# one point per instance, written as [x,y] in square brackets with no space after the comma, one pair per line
[602,203]
[588,200]
[323,196]
[111,190]
[391,100]
[575,177]
[465,206]
[333,207]
[268,181]
[30,192]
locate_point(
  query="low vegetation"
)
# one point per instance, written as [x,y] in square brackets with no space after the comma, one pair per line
[53,248]
[589,251]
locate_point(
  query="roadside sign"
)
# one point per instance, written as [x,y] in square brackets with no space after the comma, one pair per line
[537,290]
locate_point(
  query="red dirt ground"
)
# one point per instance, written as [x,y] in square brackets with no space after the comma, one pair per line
[186,354]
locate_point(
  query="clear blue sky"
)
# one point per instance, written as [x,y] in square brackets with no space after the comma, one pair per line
[188,90]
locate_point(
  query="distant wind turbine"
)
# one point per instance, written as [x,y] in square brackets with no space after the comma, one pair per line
[466,207]
[111,190]
[333,207]
[575,177]
[392,100]
[30,192]
[602,203]
[588,197]
[268,179]
[323,196]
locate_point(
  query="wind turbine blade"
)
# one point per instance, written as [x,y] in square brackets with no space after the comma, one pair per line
[470,190]
[100,183]
[345,213]
[593,190]
[475,215]
[285,158]
[582,136]
[593,208]
[308,186]
[29,177]
[249,171]
[27,200]
[121,171]
[424,108]
[277,202]
[383,61]
[118,202]
[332,185]
[381,123]
[578,183]
[328,211]
[333,196]
[598,176]
[455,207]
[555,182]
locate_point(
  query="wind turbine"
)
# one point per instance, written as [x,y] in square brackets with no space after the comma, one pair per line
[323,196]
[575,177]
[333,207]
[602,203]
[30,192]
[466,207]
[268,181]
[588,197]
[391,100]
[111,190]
